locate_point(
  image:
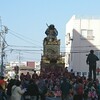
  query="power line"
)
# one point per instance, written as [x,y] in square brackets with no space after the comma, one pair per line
[22,38]
[80,51]
[23,50]
[26,39]
[82,46]
[24,46]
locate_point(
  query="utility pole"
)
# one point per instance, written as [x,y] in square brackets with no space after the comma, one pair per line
[3,31]
[19,59]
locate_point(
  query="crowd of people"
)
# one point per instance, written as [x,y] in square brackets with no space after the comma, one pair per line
[65,85]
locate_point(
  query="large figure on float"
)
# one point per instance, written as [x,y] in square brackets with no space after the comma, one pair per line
[51,33]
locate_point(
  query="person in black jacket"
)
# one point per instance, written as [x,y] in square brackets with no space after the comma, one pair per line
[91,60]
[65,88]
[33,90]
[9,87]
[43,88]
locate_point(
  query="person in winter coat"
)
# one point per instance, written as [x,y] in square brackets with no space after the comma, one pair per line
[16,91]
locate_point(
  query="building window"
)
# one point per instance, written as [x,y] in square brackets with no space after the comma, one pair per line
[69,57]
[97,53]
[87,34]
[68,38]
[84,73]
[79,73]
[83,34]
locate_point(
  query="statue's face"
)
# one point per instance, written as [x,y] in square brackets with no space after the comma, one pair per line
[51,27]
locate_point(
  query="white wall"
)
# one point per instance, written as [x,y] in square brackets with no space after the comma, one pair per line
[79,47]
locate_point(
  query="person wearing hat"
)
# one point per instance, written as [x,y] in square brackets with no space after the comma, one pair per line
[91,61]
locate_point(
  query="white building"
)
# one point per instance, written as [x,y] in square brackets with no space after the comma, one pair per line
[26,66]
[82,35]
[37,66]
[15,63]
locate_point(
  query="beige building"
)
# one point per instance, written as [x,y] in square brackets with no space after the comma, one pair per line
[24,67]
[82,35]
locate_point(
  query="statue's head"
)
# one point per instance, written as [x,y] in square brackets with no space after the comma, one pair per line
[91,51]
[51,26]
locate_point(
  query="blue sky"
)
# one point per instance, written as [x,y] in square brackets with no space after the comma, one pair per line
[26,21]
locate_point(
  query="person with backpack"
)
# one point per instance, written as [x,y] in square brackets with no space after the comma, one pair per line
[65,89]
[32,90]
